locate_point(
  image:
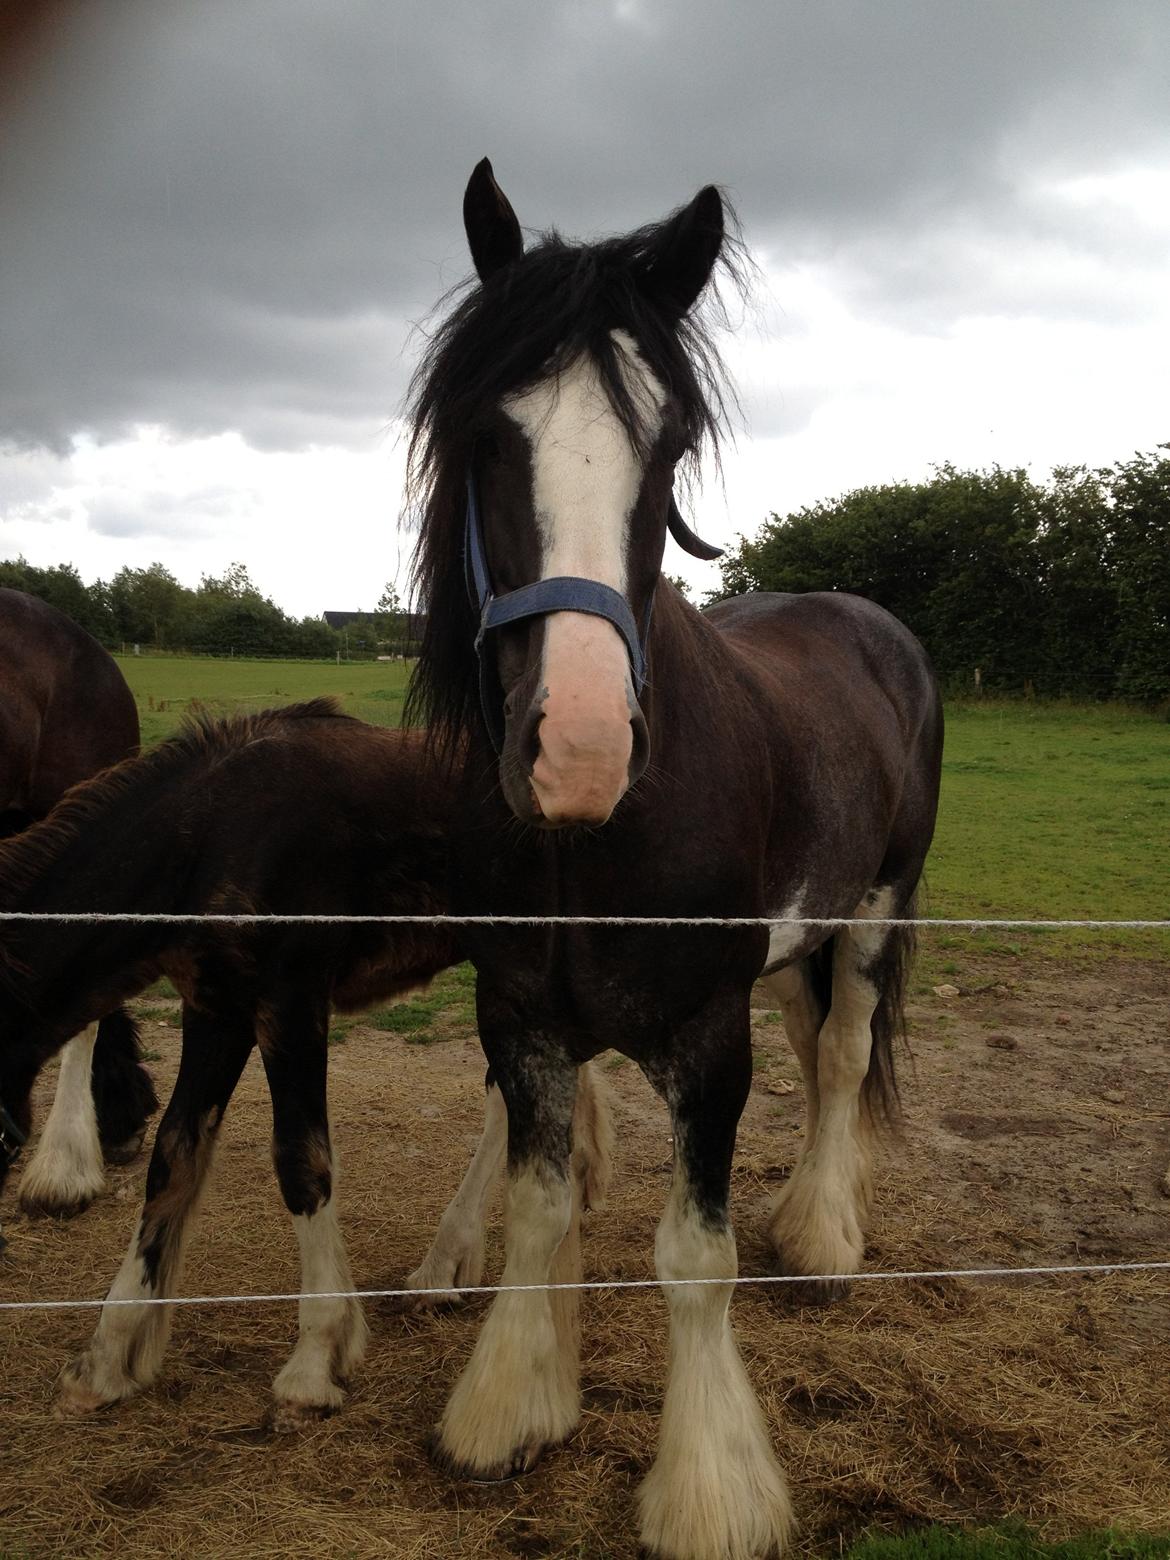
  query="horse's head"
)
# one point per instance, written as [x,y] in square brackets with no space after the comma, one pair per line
[570,469]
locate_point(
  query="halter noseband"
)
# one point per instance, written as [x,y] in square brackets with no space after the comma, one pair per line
[561,593]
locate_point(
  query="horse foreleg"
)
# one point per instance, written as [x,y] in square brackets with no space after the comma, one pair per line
[715,1491]
[818,1221]
[65,1174]
[519,1392]
[131,1336]
[332,1330]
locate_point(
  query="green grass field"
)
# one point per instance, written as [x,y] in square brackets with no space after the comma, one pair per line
[1007,1541]
[169,687]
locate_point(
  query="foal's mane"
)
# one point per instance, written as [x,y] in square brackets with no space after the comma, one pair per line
[535,317]
[201,739]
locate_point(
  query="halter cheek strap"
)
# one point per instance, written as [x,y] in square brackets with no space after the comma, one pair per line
[561,593]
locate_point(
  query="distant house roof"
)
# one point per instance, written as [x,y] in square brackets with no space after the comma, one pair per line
[416,622]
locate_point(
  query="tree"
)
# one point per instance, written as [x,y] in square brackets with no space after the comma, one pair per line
[391,621]
[1138,553]
[150,607]
[952,557]
[62,587]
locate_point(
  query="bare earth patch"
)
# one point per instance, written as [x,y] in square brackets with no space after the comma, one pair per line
[1037,1131]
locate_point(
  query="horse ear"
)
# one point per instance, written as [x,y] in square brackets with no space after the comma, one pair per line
[493,233]
[685,253]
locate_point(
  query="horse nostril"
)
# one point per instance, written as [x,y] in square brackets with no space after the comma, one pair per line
[640,745]
[529,742]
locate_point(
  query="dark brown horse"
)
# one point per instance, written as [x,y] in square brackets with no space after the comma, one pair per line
[619,753]
[296,811]
[65,714]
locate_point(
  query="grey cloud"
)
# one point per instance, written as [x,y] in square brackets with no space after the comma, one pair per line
[224,216]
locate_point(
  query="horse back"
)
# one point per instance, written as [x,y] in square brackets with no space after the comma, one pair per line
[830,655]
[65,709]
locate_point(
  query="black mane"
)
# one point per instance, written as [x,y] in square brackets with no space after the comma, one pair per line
[558,302]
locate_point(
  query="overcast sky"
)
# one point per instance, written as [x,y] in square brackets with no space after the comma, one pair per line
[220,221]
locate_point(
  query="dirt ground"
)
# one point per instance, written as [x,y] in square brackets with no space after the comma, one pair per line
[1037,1131]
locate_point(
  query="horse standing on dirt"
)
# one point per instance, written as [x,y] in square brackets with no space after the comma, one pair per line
[294,811]
[65,714]
[620,753]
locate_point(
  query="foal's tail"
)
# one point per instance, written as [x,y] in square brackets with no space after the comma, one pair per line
[880,1098]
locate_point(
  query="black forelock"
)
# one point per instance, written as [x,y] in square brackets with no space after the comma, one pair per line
[536,316]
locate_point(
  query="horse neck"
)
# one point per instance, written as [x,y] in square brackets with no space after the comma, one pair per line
[694,682]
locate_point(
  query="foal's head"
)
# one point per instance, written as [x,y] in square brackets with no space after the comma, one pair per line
[549,415]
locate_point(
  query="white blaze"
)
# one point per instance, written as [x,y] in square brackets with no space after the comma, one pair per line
[586,478]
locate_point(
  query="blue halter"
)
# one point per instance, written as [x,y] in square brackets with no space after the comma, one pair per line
[561,593]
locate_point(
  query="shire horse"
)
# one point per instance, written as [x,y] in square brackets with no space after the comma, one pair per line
[293,811]
[65,714]
[619,753]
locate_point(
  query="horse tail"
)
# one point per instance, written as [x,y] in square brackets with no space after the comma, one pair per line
[879,1093]
[123,1090]
[880,1098]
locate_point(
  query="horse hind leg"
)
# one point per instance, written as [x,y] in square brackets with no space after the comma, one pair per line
[123,1089]
[332,1331]
[65,1174]
[455,1259]
[127,1348]
[817,1224]
[456,1256]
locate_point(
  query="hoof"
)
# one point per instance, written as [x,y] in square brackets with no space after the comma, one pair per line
[123,1153]
[287,1418]
[76,1399]
[430,1300]
[47,1204]
[803,1291]
[816,1292]
[521,1461]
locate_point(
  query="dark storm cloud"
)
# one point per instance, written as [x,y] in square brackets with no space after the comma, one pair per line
[224,215]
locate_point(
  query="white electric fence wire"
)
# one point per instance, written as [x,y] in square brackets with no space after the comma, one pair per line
[599,1283]
[979,923]
[974,923]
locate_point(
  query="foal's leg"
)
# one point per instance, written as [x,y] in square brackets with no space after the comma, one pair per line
[127,1348]
[519,1392]
[818,1220]
[716,1491]
[456,1254]
[65,1174]
[123,1090]
[332,1331]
